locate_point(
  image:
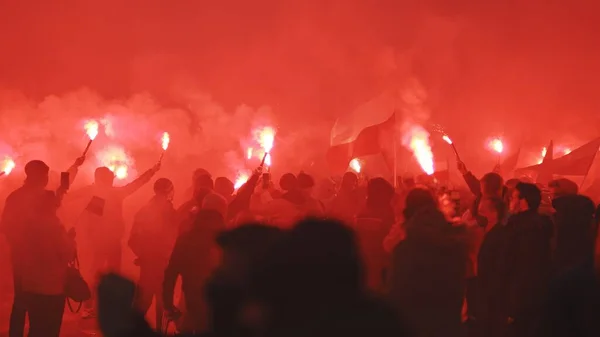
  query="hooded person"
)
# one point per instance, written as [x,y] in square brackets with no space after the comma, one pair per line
[194,256]
[19,208]
[152,238]
[575,231]
[427,277]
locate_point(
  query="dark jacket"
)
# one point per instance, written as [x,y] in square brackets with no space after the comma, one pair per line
[193,257]
[427,283]
[528,261]
[575,232]
[491,309]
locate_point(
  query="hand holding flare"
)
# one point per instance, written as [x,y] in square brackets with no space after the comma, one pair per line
[7,166]
[165,145]
[91,128]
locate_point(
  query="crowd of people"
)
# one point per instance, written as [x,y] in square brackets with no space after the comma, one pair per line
[357,258]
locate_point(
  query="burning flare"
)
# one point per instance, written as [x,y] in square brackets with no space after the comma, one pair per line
[241,179]
[416,138]
[265,137]
[544,151]
[355,165]
[268,160]
[91,128]
[249,153]
[116,159]
[7,166]
[447,139]
[165,141]
[496,145]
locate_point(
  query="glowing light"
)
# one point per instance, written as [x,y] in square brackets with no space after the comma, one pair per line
[268,160]
[447,139]
[7,165]
[115,159]
[566,151]
[91,128]
[265,137]
[496,145]
[165,141]
[416,138]
[355,165]
[249,153]
[544,151]
[241,179]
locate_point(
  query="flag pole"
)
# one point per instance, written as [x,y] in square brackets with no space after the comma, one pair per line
[588,170]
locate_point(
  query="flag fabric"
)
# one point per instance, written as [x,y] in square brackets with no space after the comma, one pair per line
[578,162]
[510,163]
[545,170]
[96,206]
[362,132]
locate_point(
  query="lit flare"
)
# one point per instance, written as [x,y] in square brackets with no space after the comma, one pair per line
[7,166]
[496,145]
[241,179]
[91,129]
[355,165]
[165,141]
[447,139]
[115,159]
[416,138]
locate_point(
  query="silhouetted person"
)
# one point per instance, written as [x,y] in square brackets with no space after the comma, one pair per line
[19,208]
[312,285]
[193,259]
[292,206]
[306,184]
[372,225]
[228,290]
[491,309]
[152,238]
[528,260]
[224,187]
[575,231]
[427,282]
[105,232]
[347,202]
[47,251]
[203,186]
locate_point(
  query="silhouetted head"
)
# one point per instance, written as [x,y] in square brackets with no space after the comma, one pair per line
[562,187]
[306,183]
[37,173]
[202,185]
[103,176]
[288,182]
[349,182]
[379,191]
[491,185]
[416,200]
[525,197]
[164,187]
[224,187]
[200,172]
[215,202]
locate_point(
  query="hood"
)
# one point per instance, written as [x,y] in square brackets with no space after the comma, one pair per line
[574,205]
[429,226]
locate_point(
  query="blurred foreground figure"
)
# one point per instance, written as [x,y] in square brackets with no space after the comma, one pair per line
[193,258]
[528,261]
[20,211]
[348,201]
[152,238]
[312,284]
[104,231]
[427,283]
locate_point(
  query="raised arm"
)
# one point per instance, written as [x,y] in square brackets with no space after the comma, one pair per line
[470,179]
[140,181]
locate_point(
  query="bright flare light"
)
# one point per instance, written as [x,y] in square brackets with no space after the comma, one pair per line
[355,165]
[496,145]
[544,151]
[116,159]
[416,138]
[7,165]
[165,141]
[566,151]
[268,160]
[241,179]
[91,128]
[249,153]
[265,137]
[447,139]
